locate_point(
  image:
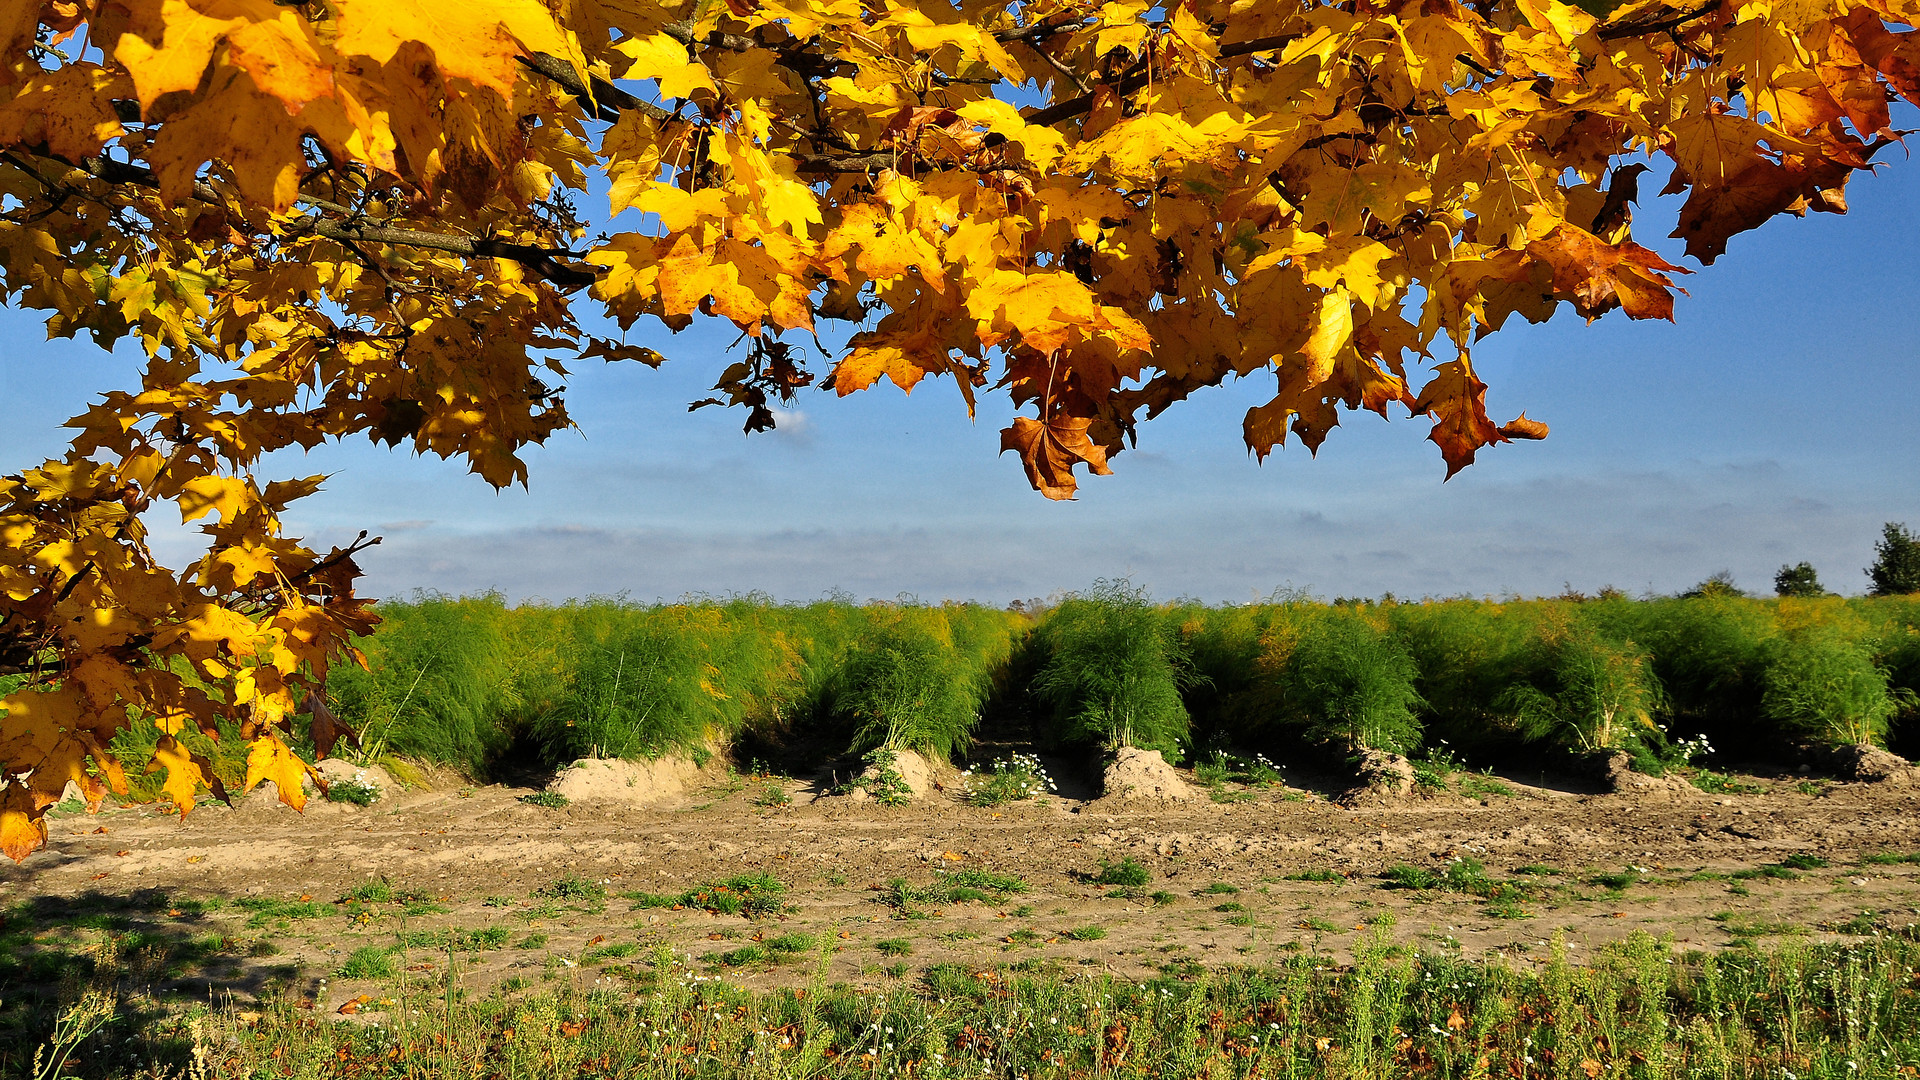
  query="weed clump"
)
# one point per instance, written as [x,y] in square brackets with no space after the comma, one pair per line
[749,895]
[1127,873]
[370,962]
[1408,876]
[356,789]
[1321,875]
[573,889]
[1007,779]
[952,887]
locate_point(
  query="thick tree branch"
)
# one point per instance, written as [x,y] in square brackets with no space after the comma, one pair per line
[1042,29]
[1653,23]
[846,163]
[542,261]
[682,32]
[602,100]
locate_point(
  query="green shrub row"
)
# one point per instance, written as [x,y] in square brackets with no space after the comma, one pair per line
[461,680]
[1577,676]
[472,682]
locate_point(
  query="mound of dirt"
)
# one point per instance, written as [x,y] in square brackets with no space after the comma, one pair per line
[1870,764]
[916,771]
[1384,777]
[1616,769]
[638,783]
[1144,774]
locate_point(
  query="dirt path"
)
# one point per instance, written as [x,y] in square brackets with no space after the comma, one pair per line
[504,890]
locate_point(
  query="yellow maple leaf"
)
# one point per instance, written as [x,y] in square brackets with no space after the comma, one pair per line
[210,629]
[269,759]
[226,495]
[22,830]
[1332,331]
[187,772]
[244,128]
[1042,145]
[664,60]
[1045,309]
[167,45]
[902,355]
[69,110]
[103,679]
[476,40]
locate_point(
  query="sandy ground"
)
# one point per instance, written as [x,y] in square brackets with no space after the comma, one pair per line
[478,859]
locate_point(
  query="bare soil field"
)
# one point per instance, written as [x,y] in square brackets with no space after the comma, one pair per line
[256,899]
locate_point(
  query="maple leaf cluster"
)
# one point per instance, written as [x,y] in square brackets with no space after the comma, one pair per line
[360,218]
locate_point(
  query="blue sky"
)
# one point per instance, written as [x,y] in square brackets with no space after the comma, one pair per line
[1774,422]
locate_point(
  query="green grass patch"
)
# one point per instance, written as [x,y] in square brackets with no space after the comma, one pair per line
[370,962]
[1126,873]
[1408,876]
[572,889]
[484,939]
[745,956]
[952,887]
[1481,786]
[752,896]
[1771,871]
[1322,875]
[263,910]
[602,953]
[1722,784]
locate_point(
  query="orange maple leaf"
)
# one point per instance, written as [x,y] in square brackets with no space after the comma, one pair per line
[1458,400]
[1521,427]
[1599,276]
[1051,450]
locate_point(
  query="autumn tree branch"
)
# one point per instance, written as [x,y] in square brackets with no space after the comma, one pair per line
[1654,22]
[1072,107]
[543,261]
[601,99]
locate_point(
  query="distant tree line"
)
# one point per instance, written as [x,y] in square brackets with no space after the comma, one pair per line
[1895,570]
